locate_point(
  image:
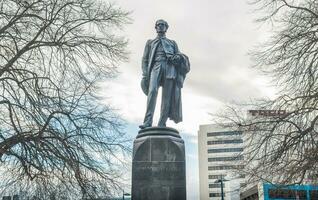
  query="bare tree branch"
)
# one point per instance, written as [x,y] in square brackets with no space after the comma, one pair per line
[54,132]
[284,144]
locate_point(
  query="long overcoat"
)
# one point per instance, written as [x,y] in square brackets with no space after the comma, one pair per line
[176,71]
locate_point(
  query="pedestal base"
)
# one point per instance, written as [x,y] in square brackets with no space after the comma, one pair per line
[158,169]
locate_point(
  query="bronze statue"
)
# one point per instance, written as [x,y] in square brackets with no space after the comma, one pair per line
[163,65]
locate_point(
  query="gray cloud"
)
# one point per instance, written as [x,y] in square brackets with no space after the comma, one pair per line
[215,34]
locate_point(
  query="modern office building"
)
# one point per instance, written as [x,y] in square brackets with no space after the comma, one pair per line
[219,156]
[220,152]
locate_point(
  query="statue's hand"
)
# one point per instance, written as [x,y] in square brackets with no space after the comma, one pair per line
[175,59]
[145,84]
[144,79]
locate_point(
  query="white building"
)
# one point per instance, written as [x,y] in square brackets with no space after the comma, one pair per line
[219,154]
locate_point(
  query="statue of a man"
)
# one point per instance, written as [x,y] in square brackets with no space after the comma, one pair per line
[163,65]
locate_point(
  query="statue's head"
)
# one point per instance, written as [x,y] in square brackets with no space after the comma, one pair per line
[161,26]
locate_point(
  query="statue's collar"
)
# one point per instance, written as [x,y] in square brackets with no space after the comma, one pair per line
[161,37]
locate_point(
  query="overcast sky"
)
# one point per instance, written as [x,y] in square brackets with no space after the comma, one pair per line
[216,35]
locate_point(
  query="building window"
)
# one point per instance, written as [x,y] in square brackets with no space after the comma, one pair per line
[287,194]
[223,175]
[225,150]
[216,159]
[216,176]
[224,133]
[216,195]
[241,176]
[251,197]
[225,167]
[243,184]
[237,141]
[216,185]
[314,194]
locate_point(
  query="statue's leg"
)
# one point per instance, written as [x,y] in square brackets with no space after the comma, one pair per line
[166,101]
[152,94]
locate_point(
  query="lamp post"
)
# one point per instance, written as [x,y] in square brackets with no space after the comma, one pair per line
[221,180]
[125,194]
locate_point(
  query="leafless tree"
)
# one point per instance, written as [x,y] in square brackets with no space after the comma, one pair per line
[54,130]
[283,148]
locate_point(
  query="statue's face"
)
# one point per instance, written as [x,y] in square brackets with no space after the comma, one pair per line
[161,27]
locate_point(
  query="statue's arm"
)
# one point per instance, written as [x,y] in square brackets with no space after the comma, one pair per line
[176,47]
[175,57]
[145,59]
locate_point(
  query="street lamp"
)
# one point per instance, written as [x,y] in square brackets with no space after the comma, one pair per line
[221,181]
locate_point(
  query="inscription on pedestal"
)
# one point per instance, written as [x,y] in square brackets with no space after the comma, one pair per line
[159,171]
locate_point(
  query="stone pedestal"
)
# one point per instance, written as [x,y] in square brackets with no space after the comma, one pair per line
[158,169]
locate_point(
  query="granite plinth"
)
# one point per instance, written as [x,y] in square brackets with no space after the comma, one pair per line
[158,169]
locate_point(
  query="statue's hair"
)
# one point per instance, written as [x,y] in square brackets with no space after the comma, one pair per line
[161,20]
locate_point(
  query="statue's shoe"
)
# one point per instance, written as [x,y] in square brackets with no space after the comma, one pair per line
[143,126]
[162,125]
